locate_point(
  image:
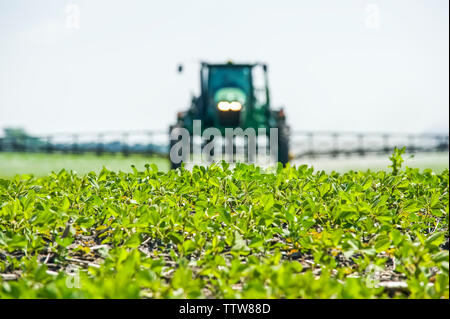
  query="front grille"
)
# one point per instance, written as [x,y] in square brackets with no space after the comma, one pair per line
[229,118]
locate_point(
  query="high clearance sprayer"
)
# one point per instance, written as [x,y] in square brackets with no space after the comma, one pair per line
[232,96]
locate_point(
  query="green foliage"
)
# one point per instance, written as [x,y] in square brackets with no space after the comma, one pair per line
[225,233]
[397,160]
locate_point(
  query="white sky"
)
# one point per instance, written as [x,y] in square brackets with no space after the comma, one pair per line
[329,65]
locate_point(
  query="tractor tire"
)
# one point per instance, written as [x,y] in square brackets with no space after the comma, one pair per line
[283,144]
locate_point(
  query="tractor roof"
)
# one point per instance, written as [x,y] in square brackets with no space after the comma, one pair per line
[230,64]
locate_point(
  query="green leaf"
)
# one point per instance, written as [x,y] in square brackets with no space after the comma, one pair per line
[239,243]
[382,243]
[436,239]
[133,241]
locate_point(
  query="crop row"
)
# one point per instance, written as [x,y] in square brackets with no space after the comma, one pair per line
[217,232]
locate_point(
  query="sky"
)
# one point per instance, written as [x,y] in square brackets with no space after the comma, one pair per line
[102,65]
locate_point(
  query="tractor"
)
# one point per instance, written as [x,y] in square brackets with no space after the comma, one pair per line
[234,96]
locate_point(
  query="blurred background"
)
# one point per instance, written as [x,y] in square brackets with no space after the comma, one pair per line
[99,77]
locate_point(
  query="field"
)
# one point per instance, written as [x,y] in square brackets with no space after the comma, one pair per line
[41,165]
[435,161]
[218,232]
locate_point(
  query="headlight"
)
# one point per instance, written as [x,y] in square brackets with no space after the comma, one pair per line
[235,106]
[227,106]
[223,106]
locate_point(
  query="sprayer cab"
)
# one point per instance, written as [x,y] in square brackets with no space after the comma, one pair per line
[235,96]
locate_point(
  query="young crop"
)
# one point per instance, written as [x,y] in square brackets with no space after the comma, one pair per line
[226,233]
